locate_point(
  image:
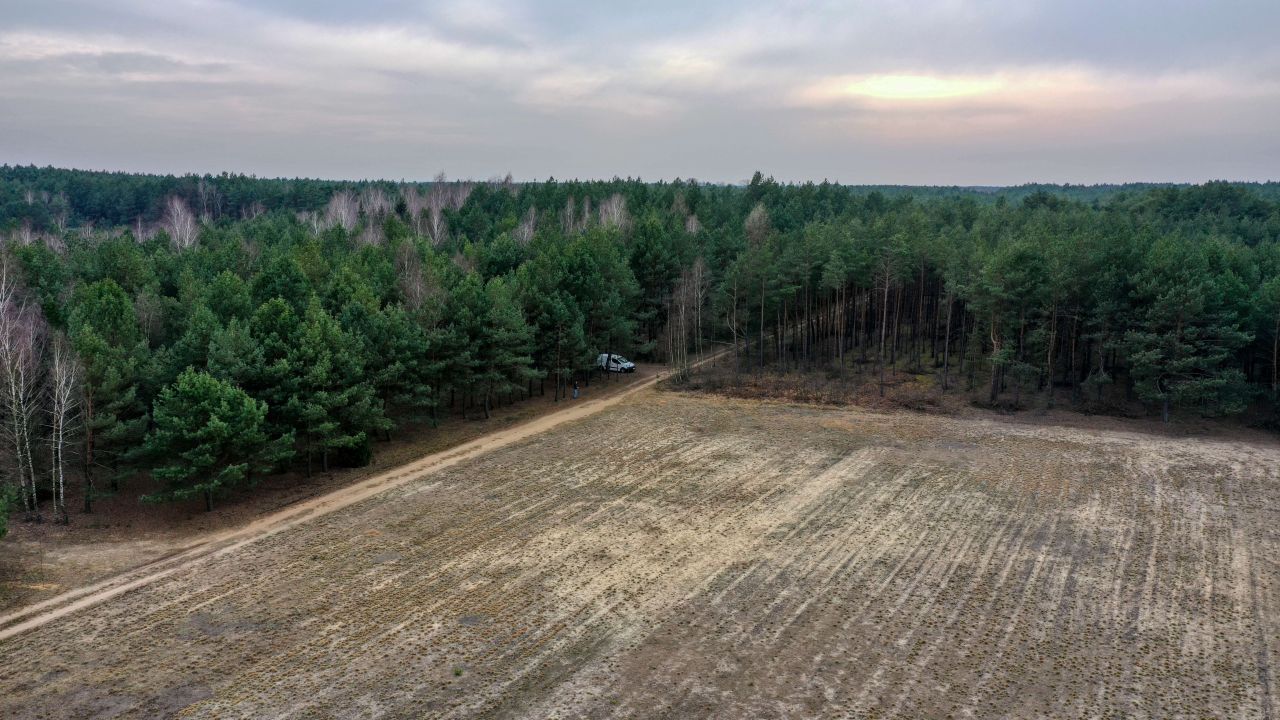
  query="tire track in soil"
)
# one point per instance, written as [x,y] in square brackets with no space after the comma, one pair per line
[1057,571]
[37,614]
[724,559]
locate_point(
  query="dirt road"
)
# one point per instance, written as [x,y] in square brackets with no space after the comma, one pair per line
[677,556]
[38,614]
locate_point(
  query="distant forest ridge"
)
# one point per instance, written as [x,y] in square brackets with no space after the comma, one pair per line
[50,198]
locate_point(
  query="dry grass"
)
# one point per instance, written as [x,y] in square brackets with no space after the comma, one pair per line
[902,390]
[680,556]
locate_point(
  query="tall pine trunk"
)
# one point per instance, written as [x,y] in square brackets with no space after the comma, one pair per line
[946,344]
[884,327]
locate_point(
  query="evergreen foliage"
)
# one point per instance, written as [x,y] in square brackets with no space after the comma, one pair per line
[208,436]
[338,320]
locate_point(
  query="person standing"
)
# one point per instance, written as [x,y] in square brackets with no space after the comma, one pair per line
[575,389]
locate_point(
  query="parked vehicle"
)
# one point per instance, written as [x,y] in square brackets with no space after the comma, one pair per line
[615,363]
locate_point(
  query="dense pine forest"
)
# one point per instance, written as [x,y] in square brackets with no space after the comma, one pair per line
[208,330]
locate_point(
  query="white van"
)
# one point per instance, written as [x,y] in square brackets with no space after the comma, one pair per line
[615,363]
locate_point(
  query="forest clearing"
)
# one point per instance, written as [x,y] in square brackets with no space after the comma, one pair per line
[686,556]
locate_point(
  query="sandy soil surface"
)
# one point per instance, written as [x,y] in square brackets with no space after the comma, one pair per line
[38,561]
[167,559]
[680,556]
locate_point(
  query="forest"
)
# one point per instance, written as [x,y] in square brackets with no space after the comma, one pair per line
[210,330]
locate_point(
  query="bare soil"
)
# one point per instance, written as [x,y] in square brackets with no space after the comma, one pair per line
[38,561]
[688,556]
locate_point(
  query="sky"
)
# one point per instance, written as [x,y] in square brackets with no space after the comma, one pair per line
[950,92]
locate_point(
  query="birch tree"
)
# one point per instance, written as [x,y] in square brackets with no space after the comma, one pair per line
[443,195]
[523,233]
[415,205]
[342,211]
[374,203]
[65,376]
[20,339]
[179,222]
[613,212]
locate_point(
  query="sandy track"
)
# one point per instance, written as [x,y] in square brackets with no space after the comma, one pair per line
[38,614]
[683,557]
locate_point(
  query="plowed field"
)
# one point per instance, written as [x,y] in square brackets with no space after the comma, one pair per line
[678,556]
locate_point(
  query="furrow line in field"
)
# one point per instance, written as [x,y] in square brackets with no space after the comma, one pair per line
[942,637]
[1031,589]
[937,554]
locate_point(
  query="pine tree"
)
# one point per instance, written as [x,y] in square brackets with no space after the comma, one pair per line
[265,369]
[467,311]
[228,296]
[1188,334]
[506,343]
[397,354]
[209,436]
[333,406]
[559,341]
[192,347]
[105,334]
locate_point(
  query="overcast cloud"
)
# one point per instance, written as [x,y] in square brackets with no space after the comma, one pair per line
[925,92]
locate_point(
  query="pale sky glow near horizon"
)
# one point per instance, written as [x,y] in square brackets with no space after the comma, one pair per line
[935,92]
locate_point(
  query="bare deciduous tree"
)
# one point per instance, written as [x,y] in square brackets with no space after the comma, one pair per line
[680,311]
[613,212]
[312,220]
[415,204]
[413,284]
[252,210]
[141,233]
[757,225]
[569,217]
[342,211]
[179,222]
[506,182]
[575,219]
[458,194]
[20,339]
[437,201]
[441,196]
[524,232]
[210,200]
[60,220]
[700,286]
[57,244]
[150,310]
[64,412]
[375,203]
[26,234]
[684,316]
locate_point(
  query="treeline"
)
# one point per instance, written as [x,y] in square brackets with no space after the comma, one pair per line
[209,330]
[1041,298]
[54,199]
